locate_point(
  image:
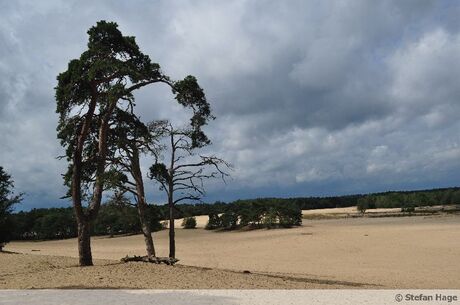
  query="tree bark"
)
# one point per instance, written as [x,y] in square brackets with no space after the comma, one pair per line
[84,219]
[84,243]
[141,202]
[172,240]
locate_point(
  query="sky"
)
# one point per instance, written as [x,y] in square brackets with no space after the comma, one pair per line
[311,98]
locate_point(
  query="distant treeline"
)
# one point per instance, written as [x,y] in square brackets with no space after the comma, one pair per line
[58,223]
[445,196]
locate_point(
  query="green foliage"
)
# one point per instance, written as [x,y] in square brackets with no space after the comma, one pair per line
[270,218]
[55,224]
[189,93]
[362,205]
[414,198]
[115,217]
[159,172]
[155,215]
[189,223]
[214,222]
[250,213]
[98,87]
[229,220]
[7,201]
[408,208]
[289,215]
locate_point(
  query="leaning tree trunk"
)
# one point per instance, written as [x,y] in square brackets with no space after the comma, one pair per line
[141,203]
[141,209]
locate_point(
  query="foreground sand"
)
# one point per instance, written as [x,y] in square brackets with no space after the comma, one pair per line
[404,252]
[25,271]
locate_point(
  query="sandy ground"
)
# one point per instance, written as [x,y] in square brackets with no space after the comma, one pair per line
[25,271]
[201,221]
[348,210]
[403,252]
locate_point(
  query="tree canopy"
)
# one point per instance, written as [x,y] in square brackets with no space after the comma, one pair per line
[95,103]
[7,200]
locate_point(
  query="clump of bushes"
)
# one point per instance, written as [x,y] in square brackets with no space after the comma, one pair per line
[229,220]
[408,208]
[214,222]
[256,215]
[364,204]
[189,223]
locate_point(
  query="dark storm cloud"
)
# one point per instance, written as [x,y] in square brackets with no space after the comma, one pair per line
[311,97]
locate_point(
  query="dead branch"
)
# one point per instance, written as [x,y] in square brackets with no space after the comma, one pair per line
[150,259]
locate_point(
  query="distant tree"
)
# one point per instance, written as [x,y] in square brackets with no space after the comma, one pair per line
[362,205]
[250,215]
[183,178]
[56,223]
[7,200]
[289,214]
[408,208]
[117,216]
[229,220]
[189,222]
[270,218]
[214,222]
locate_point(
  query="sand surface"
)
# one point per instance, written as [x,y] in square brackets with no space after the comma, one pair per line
[25,271]
[347,210]
[403,252]
[202,220]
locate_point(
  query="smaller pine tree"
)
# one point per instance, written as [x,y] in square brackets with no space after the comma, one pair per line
[189,223]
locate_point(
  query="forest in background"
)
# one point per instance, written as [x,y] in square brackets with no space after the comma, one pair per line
[120,217]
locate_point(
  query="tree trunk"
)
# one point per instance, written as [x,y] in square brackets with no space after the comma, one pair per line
[84,246]
[141,203]
[148,238]
[84,243]
[84,219]
[172,240]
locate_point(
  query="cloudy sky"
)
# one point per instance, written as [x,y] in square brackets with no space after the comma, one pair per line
[311,97]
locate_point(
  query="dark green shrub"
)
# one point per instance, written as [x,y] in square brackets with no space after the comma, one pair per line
[189,223]
[7,201]
[229,220]
[408,208]
[289,215]
[362,205]
[214,222]
[270,218]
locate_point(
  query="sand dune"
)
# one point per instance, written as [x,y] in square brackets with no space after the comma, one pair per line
[405,252]
[25,271]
